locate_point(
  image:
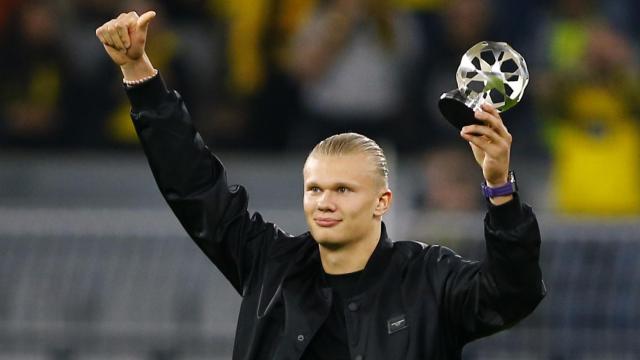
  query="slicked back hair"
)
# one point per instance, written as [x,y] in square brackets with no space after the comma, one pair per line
[351,144]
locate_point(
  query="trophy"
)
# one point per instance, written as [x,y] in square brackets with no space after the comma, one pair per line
[490,72]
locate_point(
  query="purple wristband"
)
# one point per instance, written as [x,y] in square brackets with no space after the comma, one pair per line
[507,189]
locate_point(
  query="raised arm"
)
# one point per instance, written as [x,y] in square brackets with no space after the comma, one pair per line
[191,179]
[480,298]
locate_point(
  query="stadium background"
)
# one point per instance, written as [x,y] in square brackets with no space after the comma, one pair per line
[94,266]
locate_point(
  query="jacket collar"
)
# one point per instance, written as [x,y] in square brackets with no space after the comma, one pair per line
[308,271]
[377,264]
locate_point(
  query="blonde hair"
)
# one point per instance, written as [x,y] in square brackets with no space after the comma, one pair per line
[354,143]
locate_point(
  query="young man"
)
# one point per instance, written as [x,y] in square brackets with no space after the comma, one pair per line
[342,290]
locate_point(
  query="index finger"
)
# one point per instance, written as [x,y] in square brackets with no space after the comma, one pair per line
[489,116]
[490,109]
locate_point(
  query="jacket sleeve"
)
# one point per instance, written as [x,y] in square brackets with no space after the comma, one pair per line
[481,298]
[193,182]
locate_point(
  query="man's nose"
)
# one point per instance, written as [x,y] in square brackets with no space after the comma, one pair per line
[325,202]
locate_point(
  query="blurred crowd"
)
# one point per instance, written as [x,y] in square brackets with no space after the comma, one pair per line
[279,75]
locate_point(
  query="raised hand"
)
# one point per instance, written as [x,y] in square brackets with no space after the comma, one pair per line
[491,145]
[124,37]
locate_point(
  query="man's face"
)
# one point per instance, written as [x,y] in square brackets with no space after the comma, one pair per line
[343,198]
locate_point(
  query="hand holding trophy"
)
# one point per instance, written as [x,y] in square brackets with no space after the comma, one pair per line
[490,72]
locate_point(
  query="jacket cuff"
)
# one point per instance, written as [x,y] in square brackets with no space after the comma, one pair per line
[507,215]
[147,95]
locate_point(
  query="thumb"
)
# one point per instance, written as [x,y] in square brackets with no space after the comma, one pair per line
[145,19]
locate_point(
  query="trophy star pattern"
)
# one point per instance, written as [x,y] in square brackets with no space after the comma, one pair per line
[492,72]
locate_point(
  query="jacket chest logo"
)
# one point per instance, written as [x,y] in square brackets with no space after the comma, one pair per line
[397,323]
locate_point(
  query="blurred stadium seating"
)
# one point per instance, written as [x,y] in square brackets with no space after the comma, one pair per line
[94,266]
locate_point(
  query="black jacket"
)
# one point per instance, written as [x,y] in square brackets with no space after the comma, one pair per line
[415,301]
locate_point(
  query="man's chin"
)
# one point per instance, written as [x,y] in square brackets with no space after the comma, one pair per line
[327,237]
[330,244]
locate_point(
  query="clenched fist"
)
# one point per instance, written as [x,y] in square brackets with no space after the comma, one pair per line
[124,40]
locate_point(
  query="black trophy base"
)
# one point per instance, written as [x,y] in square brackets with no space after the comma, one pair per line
[452,106]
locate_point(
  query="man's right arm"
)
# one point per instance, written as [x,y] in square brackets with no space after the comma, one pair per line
[193,182]
[191,179]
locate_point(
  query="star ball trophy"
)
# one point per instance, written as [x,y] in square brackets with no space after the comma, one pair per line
[489,73]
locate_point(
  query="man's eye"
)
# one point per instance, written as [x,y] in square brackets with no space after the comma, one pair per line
[342,189]
[314,189]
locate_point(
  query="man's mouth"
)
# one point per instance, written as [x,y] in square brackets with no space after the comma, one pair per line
[326,222]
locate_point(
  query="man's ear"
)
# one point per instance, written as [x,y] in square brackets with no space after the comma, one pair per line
[384,203]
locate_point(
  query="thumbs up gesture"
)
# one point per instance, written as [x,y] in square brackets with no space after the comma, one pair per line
[124,40]
[125,36]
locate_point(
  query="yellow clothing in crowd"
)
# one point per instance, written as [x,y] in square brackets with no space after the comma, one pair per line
[596,168]
[594,131]
[247,22]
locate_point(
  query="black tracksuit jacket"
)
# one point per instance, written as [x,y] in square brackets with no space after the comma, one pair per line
[414,301]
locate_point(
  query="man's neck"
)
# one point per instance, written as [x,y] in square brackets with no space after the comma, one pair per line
[351,257]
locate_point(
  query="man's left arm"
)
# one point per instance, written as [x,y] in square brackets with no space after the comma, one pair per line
[504,288]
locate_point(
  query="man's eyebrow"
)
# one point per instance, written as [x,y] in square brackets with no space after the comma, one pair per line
[346,184]
[333,185]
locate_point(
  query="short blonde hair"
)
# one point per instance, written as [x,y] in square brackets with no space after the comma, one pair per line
[354,143]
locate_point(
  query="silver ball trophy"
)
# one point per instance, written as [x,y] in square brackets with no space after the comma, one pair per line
[489,73]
